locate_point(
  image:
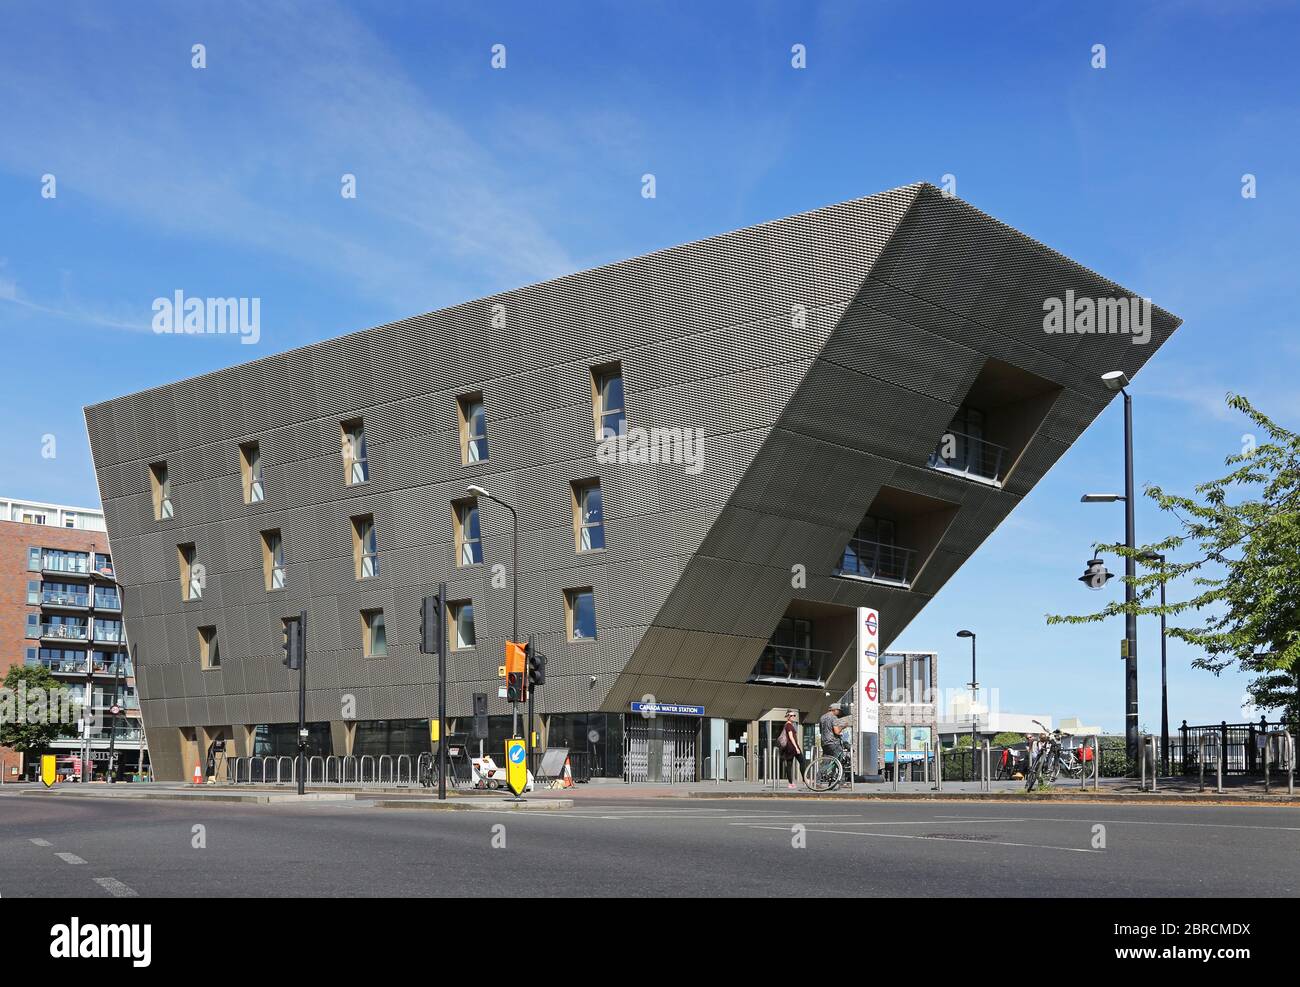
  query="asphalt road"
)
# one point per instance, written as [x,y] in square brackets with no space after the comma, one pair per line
[61,846]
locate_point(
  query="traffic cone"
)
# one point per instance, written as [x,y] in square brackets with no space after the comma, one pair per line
[198,774]
[568,774]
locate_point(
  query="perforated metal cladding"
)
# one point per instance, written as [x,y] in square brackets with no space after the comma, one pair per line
[821,355]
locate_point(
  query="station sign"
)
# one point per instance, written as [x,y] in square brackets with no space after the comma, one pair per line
[868,699]
[667,709]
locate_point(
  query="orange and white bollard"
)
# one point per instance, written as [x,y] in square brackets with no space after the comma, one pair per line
[198,775]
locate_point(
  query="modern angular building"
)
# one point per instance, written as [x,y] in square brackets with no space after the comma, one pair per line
[828,411]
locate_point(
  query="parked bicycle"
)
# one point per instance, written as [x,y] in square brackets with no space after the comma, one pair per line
[1050,759]
[828,772]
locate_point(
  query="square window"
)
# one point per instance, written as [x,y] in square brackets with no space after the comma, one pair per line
[461,625]
[473,428]
[469,543]
[374,637]
[580,607]
[250,468]
[365,547]
[356,467]
[209,650]
[588,516]
[273,560]
[607,400]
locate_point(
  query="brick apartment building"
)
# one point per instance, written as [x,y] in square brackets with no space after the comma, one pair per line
[60,607]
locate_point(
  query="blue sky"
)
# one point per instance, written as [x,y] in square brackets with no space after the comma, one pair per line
[225,181]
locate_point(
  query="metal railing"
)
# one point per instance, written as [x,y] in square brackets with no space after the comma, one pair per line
[782,664]
[70,632]
[877,561]
[55,563]
[1286,751]
[968,455]
[60,598]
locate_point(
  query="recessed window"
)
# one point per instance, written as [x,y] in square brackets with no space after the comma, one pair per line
[273,560]
[588,516]
[356,468]
[33,560]
[365,546]
[607,400]
[461,625]
[162,491]
[473,429]
[580,613]
[469,544]
[33,593]
[192,576]
[209,650]
[374,638]
[250,467]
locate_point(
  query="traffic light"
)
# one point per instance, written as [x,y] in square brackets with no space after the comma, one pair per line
[431,625]
[479,730]
[516,668]
[536,666]
[292,643]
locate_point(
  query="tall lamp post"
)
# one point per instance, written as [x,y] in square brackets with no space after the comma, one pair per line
[478,491]
[1117,380]
[1159,558]
[974,692]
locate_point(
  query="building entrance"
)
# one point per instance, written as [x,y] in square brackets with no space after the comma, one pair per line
[660,749]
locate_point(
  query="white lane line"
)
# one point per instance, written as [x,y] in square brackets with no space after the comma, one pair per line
[940,839]
[69,858]
[1151,822]
[892,822]
[116,888]
[42,842]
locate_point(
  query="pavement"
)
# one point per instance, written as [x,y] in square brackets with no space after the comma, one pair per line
[608,842]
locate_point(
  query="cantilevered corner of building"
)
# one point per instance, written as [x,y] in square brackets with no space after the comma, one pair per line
[872,388]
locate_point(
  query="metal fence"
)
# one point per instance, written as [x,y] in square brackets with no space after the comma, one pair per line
[373,771]
[1240,745]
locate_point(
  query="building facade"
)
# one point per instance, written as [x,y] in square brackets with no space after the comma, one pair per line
[716,453]
[62,610]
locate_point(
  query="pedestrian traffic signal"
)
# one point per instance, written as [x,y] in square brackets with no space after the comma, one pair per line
[431,625]
[479,729]
[536,666]
[292,643]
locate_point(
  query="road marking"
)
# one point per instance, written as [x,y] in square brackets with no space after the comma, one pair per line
[891,822]
[1151,822]
[116,888]
[69,858]
[42,842]
[940,839]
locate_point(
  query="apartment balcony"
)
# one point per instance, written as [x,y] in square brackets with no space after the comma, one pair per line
[65,600]
[110,635]
[969,456]
[62,632]
[877,562]
[108,601]
[77,669]
[65,566]
[782,664]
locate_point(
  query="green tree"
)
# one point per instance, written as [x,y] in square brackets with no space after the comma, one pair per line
[17,733]
[1008,739]
[1242,532]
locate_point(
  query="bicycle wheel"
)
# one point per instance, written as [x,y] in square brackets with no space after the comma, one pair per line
[824,773]
[1032,772]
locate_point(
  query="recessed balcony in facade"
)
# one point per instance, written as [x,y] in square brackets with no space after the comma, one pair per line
[896,538]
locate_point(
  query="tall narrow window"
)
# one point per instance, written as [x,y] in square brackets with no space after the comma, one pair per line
[374,638]
[355,466]
[588,516]
[192,576]
[607,400]
[273,560]
[162,491]
[462,625]
[580,608]
[469,544]
[250,465]
[473,429]
[365,546]
[209,650]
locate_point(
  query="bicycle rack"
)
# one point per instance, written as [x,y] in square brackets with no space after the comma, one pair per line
[987,778]
[1202,744]
[1096,767]
[352,759]
[895,767]
[361,773]
[312,760]
[409,777]
[379,772]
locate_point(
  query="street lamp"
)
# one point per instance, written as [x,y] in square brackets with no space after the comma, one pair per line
[1159,558]
[1117,380]
[478,491]
[974,692]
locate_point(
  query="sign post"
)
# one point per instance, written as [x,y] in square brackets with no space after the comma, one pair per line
[867,702]
[516,766]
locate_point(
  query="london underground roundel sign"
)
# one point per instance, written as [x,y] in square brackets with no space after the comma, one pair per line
[871,690]
[871,623]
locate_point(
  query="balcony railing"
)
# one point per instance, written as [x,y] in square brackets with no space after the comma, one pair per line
[70,632]
[63,666]
[111,635]
[878,562]
[970,456]
[59,563]
[783,664]
[63,598]
[108,601]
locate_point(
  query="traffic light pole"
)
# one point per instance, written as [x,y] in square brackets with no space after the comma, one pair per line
[302,703]
[528,741]
[442,700]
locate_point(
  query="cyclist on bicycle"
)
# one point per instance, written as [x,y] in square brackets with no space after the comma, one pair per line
[831,727]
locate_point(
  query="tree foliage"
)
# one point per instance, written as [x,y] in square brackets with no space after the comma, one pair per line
[1240,542]
[21,734]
